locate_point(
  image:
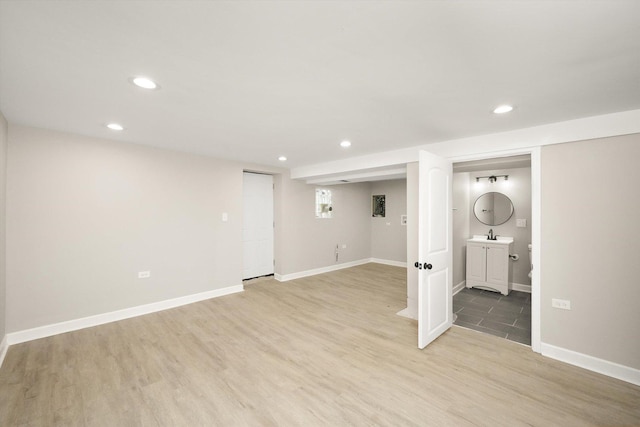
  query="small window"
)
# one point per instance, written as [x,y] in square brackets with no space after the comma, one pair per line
[324,208]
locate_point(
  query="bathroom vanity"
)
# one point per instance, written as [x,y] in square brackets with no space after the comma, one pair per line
[488,263]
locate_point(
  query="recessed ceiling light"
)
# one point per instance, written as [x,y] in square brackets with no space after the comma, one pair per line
[115,126]
[144,82]
[345,144]
[503,109]
[282,158]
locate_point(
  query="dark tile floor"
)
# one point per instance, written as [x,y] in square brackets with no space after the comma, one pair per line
[493,313]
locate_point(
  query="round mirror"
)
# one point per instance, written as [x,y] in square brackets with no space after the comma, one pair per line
[493,208]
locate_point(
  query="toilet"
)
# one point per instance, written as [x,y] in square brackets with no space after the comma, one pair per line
[530,262]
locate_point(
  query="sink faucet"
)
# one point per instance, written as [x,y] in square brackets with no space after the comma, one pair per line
[491,236]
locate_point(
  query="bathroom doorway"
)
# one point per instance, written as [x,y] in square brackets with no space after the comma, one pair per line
[499,301]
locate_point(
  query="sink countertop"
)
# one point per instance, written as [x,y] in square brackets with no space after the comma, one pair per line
[480,238]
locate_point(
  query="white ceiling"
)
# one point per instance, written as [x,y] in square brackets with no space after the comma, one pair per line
[256,80]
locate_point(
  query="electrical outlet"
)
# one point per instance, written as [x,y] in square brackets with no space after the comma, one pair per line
[562,304]
[522,223]
[344,246]
[144,274]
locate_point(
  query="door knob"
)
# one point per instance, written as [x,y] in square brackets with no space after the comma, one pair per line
[425,265]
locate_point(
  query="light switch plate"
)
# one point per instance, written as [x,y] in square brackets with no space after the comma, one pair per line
[225,217]
[521,223]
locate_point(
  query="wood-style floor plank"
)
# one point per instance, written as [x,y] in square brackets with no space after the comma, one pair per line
[323,350]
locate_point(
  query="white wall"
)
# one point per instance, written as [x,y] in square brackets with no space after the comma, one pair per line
[518,189]
[84,216]
[307,242]
[590,240]
[388,235]
[3,182]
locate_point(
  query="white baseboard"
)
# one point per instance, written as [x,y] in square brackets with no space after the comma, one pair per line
[514,287]
[4,346]
[460,286]
[405,312]
[114,316]
[388,262]
[591,363]
[520,287]
[313,272]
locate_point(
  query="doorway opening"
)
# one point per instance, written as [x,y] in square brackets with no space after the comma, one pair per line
[257,226]
[492,278]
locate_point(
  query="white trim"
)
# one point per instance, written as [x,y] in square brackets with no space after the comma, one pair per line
[612,369]
[321,270]
[460,286]
[536,239]
[114,316]
[388,262]
[606,125]
[313,272]
[405,312]
[520,287]
[4,346]
[378,175]
[357,165]
[493,155]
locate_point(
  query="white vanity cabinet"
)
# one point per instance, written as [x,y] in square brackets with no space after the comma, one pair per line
[488,264]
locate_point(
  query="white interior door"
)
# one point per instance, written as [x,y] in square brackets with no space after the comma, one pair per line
[435,299]
[257,225]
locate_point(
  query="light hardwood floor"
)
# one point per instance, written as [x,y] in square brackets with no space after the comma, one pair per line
[324,350]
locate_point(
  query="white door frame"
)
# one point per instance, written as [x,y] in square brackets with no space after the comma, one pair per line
[265,255]
[536,237]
